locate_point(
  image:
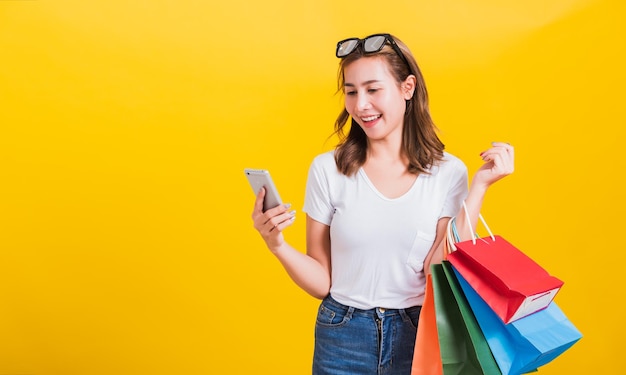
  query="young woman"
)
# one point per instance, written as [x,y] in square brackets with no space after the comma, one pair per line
[377,209]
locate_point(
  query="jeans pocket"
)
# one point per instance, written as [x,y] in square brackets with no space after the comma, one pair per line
[421,246]
[330,315]
[413,315]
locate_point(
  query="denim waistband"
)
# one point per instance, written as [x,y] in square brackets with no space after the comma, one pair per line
[371,312]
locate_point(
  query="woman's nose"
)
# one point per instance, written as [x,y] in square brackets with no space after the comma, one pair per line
[362,102]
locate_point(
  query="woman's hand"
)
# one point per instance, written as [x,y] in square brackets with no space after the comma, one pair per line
[272,222]
[499,163]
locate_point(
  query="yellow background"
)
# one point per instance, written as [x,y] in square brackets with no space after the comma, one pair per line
[126,244]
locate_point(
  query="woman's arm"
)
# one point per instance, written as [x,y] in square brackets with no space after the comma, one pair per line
[310,271]
[435,254]
[499,162]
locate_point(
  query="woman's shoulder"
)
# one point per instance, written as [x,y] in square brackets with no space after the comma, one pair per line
[325,160]
[449,164]
[323,167]
[452,160]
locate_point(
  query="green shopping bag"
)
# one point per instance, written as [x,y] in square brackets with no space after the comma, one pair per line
[464,350]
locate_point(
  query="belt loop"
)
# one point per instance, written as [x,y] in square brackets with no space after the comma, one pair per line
[349,312]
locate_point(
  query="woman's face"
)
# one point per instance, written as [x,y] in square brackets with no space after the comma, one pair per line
[374,99]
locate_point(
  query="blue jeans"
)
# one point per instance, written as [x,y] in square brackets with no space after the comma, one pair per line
[350,341]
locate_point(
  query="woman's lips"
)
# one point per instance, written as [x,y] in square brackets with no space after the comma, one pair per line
[370,121]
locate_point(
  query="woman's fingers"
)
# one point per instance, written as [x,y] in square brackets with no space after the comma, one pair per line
[499,162]
[280,222]
[274,219]
[258,203]
[272,222]
[504,150]
[506,145]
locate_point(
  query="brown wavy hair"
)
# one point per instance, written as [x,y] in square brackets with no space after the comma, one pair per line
[420,143]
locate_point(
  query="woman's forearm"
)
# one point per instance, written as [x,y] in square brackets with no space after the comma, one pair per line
[307,272]
[473,202]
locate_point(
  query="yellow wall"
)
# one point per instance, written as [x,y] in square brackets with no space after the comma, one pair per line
[126,245]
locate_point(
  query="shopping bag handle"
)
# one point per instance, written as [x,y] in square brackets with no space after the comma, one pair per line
[449,240]
[452,229]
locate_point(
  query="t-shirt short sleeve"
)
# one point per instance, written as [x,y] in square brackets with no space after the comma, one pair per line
[317,200]
[458,187]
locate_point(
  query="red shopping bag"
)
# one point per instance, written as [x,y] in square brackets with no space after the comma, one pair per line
[511,283]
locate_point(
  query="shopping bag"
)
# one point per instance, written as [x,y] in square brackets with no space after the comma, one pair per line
[464,350]
[511,283]
[526,343]
[426,356]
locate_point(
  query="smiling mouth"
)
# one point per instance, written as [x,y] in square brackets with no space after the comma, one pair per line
[371,118]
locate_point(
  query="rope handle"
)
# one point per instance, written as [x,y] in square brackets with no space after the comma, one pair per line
[453,235]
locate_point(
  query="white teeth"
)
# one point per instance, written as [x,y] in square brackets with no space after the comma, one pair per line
[370,118]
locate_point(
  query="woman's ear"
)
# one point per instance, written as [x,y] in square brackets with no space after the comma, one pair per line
[408,87]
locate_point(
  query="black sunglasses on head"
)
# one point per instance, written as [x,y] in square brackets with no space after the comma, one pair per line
[371,44]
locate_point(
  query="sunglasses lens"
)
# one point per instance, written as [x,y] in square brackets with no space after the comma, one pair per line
[346,48]
[374,43]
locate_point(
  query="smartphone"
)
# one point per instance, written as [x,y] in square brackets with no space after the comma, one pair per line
[259,178]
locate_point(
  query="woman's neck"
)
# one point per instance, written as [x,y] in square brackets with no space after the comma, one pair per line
[383,151]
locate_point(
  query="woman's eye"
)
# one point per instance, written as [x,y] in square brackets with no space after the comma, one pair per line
[371,91]
[351,93]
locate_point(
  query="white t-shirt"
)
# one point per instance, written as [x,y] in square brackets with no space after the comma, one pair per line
[378,245]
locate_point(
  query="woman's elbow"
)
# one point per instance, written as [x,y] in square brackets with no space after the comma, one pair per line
[319,295]
[320,291]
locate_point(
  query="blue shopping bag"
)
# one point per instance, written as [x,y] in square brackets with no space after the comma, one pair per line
[527,343]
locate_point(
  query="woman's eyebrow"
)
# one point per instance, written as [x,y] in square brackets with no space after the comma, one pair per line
[364,83]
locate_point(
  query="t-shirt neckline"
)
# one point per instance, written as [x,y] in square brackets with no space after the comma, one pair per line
[369,182]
